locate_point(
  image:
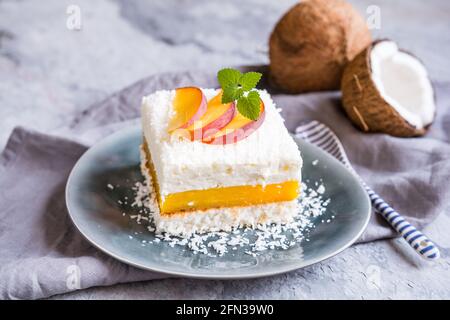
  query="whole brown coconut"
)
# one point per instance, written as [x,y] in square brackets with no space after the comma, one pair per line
[313,42]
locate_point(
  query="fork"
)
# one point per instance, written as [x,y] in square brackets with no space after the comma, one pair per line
[320,135]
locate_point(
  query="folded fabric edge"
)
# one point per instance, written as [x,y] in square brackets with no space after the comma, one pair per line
[17,139]
[13,144]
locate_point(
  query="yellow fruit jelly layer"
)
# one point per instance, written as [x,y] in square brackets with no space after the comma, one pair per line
[229,197]
[222,197]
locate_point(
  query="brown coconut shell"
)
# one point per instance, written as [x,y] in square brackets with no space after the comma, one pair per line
[364,104]
[313,42]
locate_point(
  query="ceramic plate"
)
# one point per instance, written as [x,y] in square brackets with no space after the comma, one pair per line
[95,211]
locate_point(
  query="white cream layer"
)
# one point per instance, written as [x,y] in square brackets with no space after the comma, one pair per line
[269,155]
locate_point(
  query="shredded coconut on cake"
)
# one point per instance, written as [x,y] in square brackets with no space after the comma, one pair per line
[253,241]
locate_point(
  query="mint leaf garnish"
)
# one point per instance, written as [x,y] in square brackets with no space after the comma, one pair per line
[249,80]
[231,94]
[229,77]
[249,106]
[239,87]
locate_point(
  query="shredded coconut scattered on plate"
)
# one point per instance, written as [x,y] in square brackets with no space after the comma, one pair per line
[321,189]
[252,241]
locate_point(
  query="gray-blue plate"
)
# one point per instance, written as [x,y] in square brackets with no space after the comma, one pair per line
[95,211]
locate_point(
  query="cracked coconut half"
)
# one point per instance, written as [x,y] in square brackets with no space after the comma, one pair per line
[385,89]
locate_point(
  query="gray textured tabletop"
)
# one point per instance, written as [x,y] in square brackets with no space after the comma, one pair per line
[48,72]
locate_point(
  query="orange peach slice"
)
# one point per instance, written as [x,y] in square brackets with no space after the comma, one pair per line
[189,105]
[217,116]
[237,129]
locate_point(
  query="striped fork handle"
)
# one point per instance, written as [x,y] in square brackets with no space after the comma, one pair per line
[320,135]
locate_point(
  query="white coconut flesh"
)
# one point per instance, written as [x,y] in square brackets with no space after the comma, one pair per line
[403,82]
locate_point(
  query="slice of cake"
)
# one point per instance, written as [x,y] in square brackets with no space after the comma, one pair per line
[212,168]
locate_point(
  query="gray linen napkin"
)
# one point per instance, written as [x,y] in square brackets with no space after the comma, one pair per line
[41,254]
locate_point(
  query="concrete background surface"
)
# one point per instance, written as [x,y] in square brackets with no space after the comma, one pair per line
[48,73]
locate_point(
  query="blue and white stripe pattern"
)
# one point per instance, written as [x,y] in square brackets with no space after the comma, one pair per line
[320,135]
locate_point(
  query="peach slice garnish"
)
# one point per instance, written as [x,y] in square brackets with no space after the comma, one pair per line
[217,116]
[237,129]
[189,105]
